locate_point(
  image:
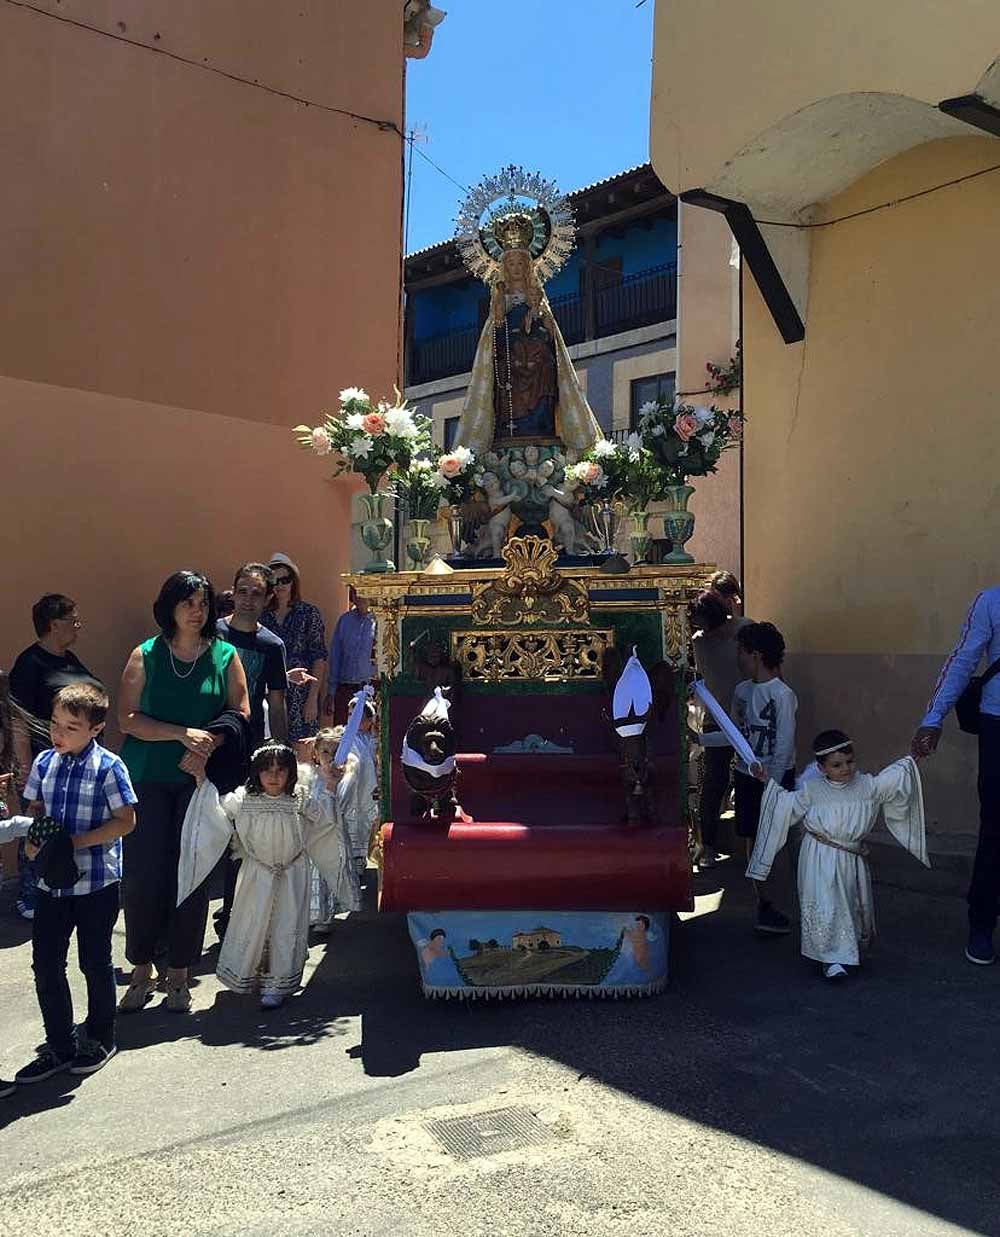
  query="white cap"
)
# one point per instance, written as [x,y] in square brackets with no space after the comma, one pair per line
[284,561]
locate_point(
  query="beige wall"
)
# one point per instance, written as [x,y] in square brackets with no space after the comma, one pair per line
[190,267]
[707,330]
[728,71]
[872,500]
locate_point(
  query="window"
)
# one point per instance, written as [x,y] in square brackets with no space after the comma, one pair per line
[450,430]
[657,387]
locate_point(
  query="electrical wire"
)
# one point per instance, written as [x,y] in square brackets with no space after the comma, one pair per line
[870,210]
[389,126]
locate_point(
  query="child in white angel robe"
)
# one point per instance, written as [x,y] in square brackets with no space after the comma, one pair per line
[838,807]
[276,827]
[333,795]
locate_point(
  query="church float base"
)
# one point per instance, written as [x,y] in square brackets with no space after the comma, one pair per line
[495,955]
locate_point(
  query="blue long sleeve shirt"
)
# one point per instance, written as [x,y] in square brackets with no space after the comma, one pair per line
[351,649]
[980,637]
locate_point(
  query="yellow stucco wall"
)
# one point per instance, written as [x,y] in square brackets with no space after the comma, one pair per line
[872,469]
[872,451]
[726,71]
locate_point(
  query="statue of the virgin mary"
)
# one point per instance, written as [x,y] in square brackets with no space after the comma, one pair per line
[523,383]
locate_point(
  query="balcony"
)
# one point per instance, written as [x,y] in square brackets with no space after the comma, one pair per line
[638,300]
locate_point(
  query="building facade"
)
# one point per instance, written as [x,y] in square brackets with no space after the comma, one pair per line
[853,155]
[183,262]
[616,301]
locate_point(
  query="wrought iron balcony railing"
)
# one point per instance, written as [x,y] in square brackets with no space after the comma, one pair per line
[637,300]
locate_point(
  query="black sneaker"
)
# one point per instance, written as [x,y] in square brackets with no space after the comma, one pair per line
[6,1088]
[90,1057]
[771,922]
[980,947]
[44,1066]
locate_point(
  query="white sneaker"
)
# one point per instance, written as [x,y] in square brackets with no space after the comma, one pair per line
[834,971]
[271,1000]
[25,911]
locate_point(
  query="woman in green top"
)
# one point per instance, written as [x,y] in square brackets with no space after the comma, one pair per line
[174,685]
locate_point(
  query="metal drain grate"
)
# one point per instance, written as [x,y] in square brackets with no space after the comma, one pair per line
[486,1133]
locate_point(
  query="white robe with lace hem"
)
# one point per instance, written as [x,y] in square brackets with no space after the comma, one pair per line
[835,888]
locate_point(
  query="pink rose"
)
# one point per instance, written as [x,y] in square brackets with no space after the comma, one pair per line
[373,423]
[321,443]
[735,426]
[686,426]
[450,467]
[589,472]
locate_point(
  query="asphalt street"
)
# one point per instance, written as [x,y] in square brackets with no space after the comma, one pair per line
[752,1097]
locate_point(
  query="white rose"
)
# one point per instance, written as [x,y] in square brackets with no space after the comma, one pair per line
[463,455]
[399,421]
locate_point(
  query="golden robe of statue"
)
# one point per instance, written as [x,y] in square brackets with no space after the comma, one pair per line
[523,382]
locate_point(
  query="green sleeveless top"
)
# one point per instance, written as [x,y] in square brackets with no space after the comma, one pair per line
[194,700]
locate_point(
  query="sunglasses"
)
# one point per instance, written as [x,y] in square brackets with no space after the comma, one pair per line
[279,580]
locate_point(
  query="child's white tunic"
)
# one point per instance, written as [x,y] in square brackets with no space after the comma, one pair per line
[835,888]
[266,942]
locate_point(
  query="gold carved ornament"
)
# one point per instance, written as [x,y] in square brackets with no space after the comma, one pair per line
[530,590]
[386,609]
[551,656]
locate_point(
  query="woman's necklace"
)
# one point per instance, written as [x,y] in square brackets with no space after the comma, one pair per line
[190,670]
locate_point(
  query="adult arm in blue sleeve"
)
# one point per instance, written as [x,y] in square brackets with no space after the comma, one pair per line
[962,662]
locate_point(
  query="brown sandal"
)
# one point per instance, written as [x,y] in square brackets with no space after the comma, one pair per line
[138,993]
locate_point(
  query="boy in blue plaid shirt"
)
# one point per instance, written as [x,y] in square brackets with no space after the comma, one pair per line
[87,790]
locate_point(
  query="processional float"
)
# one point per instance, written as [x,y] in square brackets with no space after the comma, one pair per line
[556,852]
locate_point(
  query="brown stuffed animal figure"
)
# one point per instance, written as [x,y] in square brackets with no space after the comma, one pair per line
[428,760]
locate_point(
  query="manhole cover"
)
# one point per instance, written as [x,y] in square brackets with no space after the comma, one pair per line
[486,1133]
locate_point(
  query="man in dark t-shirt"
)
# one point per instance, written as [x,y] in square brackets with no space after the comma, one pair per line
[42,670]
[261,651]
[263,656]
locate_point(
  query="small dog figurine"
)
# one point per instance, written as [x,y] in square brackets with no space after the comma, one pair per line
[428,761]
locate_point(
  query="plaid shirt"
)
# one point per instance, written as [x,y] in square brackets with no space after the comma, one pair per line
[82,792]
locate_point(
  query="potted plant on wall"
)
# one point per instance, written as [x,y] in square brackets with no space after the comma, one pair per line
[370,439]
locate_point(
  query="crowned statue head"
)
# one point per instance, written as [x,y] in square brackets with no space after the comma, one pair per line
[514,231]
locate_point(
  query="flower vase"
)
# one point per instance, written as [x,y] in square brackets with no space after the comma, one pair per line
[605,521]
[678,523]
[418,543]
[376,530]
[455,517]
[639,536]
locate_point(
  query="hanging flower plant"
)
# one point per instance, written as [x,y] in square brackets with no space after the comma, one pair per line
[686,440]
[368,439]
[724,379]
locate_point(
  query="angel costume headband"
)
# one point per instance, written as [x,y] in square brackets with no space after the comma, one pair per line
[837,747]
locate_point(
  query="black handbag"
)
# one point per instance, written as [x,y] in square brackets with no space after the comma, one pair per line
[55,862]
[968,704]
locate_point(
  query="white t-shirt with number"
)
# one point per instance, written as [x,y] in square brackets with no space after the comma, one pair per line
[765,712]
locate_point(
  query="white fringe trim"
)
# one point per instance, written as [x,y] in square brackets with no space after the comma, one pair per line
[606,992]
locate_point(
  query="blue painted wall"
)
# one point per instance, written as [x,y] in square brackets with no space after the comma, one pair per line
[455,307]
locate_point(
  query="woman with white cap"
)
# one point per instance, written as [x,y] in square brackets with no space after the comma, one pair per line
[300,626]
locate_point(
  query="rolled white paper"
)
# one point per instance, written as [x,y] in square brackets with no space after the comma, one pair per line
[726,724]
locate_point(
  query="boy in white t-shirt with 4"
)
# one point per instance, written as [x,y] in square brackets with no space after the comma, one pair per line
[764,708]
